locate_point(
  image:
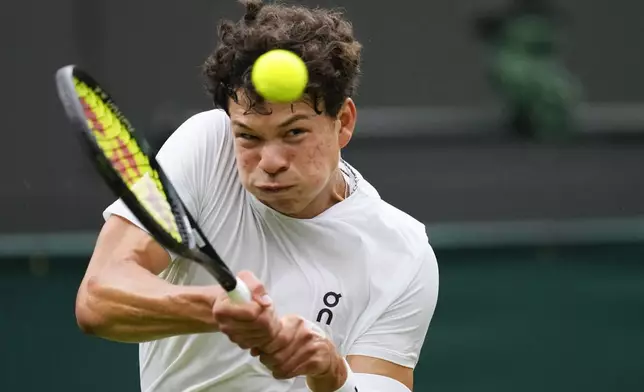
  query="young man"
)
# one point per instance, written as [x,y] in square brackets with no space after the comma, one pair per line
[344,285]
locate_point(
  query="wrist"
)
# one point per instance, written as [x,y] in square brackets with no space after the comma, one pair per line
[196,303]
[331,380]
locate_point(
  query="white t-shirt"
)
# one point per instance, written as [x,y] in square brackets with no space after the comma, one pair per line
[363,271]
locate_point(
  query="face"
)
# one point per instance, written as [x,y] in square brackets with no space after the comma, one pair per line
[289,158]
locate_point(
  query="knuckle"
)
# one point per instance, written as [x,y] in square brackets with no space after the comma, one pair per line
[279,359]
[290,321]
[314,350]
[283,339]
[317,361]
[311,352]
[280,341]
[309,336]
[298,321]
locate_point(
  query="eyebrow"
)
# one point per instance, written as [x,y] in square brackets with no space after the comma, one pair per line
[241,125]
[284,124]
[293,119]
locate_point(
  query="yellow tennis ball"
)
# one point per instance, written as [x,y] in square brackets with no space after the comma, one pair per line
[280,76]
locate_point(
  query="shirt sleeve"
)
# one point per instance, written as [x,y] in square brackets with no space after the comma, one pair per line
[188,158]
[399,333]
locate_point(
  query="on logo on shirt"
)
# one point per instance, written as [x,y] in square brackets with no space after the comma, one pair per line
[331,300]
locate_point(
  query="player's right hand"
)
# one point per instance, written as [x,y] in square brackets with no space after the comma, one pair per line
[251,324]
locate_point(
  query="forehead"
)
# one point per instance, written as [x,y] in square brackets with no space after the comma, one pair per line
[269,114]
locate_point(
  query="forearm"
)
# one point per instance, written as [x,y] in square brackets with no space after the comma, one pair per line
[130,304]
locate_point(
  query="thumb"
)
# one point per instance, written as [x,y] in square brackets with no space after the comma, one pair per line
[256,288]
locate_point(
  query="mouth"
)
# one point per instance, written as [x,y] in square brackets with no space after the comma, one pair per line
[273,188]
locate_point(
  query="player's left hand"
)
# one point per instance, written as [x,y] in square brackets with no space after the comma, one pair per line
[300,350]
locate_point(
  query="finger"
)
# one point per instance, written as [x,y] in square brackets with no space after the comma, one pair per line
[279,342]
[257,333]
[258,337]
[246,340]
[282,361]
[311,360]
[257,289]
[265,325]
[246,343]
[286,333]
[299,354]
[261,325]
[226,310]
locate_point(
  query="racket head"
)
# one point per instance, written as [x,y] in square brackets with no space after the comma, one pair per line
[124,160]
[127,164]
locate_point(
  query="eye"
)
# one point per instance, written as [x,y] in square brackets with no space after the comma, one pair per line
[247,136]
[296,132]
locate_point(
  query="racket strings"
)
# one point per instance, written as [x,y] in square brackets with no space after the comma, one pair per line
[125,155]
[113,138]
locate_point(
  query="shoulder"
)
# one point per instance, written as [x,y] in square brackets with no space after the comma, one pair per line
[399,231]
[198,157]
[410,229]
[394,244]
[203,127]
[198,143]
[208,118]
[398,242]
[410,252]
[383,219]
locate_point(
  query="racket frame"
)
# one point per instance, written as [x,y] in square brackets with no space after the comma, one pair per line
[206,256]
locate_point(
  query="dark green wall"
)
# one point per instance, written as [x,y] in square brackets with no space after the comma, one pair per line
[42,346]
[568,319]
[538,320]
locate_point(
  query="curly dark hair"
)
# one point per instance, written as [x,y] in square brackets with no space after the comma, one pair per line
[322,38]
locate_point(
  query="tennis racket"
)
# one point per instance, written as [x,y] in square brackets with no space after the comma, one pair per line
[126,163]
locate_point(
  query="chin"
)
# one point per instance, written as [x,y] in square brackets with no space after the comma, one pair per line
[287,207]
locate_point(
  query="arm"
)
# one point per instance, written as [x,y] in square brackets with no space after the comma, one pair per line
[121,297]
[365,373]
[371,365]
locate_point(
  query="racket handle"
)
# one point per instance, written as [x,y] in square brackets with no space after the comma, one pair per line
[241,293]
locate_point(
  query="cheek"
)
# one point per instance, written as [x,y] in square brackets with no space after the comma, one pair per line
[246,160]
[324,156]
[319,161]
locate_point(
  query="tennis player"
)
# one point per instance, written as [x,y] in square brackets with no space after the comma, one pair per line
[344,285]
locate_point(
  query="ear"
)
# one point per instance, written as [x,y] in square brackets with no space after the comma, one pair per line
[347,119]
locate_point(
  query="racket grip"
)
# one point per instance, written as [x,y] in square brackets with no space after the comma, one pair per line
[241,293]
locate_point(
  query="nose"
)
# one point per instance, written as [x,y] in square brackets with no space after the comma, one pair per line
[273,160]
